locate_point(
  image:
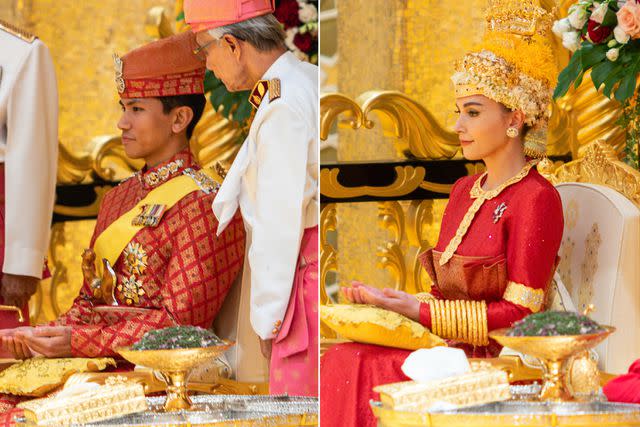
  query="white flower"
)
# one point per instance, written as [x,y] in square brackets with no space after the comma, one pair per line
[307,13]
[290,34]
[612,54]
[571,40]
[599,11]
[561,26]
[620,35]
[577,17]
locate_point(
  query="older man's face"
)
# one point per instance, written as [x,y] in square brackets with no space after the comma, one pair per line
[224,60]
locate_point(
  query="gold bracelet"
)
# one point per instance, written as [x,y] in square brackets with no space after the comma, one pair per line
[474,323]
[464,337]
[447,319]
[432,310]
[443,331]
[479,322]
[484,325]
[459,325]
[454,319]
[436,319]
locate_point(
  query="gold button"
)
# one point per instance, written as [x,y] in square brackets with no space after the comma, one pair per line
[275,331]
[278,323]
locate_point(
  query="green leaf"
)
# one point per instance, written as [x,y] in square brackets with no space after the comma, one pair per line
[600,72]
[568,75]
[578,80]
[611,81]
[180,16]
[243,112]
[610,18]
[592,54]
[626,88]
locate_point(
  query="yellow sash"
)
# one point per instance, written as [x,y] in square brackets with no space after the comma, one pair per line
[112,241]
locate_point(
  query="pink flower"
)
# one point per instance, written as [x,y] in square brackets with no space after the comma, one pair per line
[629,18]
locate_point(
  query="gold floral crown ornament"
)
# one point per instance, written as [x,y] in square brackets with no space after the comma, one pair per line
[514,64]
[118,65]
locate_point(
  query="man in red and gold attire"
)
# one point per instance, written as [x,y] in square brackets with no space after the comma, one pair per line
[155,260]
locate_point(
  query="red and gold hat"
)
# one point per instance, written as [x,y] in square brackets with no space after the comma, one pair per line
[209,14]
[166,67]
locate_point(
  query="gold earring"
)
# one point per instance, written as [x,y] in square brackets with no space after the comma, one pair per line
[512,132]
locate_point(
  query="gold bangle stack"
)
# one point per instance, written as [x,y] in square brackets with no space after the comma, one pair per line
[460,320]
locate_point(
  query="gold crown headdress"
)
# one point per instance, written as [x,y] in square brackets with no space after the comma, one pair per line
[514,64]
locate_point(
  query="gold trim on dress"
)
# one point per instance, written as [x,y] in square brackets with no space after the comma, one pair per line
[480,197]
[523,295]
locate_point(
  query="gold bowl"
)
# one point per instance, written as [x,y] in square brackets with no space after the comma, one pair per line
[553,352]
[174,366]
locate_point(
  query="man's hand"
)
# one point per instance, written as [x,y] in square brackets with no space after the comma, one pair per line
[16,290]
[50,341]
[389,299]
[265,348]
[13,341]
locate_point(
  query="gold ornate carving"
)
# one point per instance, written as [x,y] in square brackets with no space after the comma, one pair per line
[409,237]
[589,267]
[391,256]
[414,127]
[408,178]
[328,259]
[564,266]
[599,166]
[334,104]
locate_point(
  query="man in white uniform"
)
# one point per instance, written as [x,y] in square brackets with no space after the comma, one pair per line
[274,180]
[28,159]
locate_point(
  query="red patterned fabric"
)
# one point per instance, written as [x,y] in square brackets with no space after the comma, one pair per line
[188,275]
[527,235]
[167,85]
[165,67]
[625,388]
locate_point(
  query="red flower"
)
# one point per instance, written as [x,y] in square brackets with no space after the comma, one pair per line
[303,41]
[597,33]
[287,13]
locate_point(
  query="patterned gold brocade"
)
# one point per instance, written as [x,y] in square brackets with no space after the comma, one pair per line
[482,385]
[81,405]
[480,197]
[460,320]
[523,295]
[38,376]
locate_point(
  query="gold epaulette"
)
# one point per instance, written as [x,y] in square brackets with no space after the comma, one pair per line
[18,32]
[204,178]
[274,89]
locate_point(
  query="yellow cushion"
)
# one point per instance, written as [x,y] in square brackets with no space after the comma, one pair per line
[38,376]
[374,325]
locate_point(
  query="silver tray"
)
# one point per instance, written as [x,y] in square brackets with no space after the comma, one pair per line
[517,413]
[223,410]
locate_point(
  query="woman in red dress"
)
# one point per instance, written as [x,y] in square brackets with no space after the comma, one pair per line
[501,230]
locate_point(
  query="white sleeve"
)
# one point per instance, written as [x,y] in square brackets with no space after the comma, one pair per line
[281,158]
[30,163]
